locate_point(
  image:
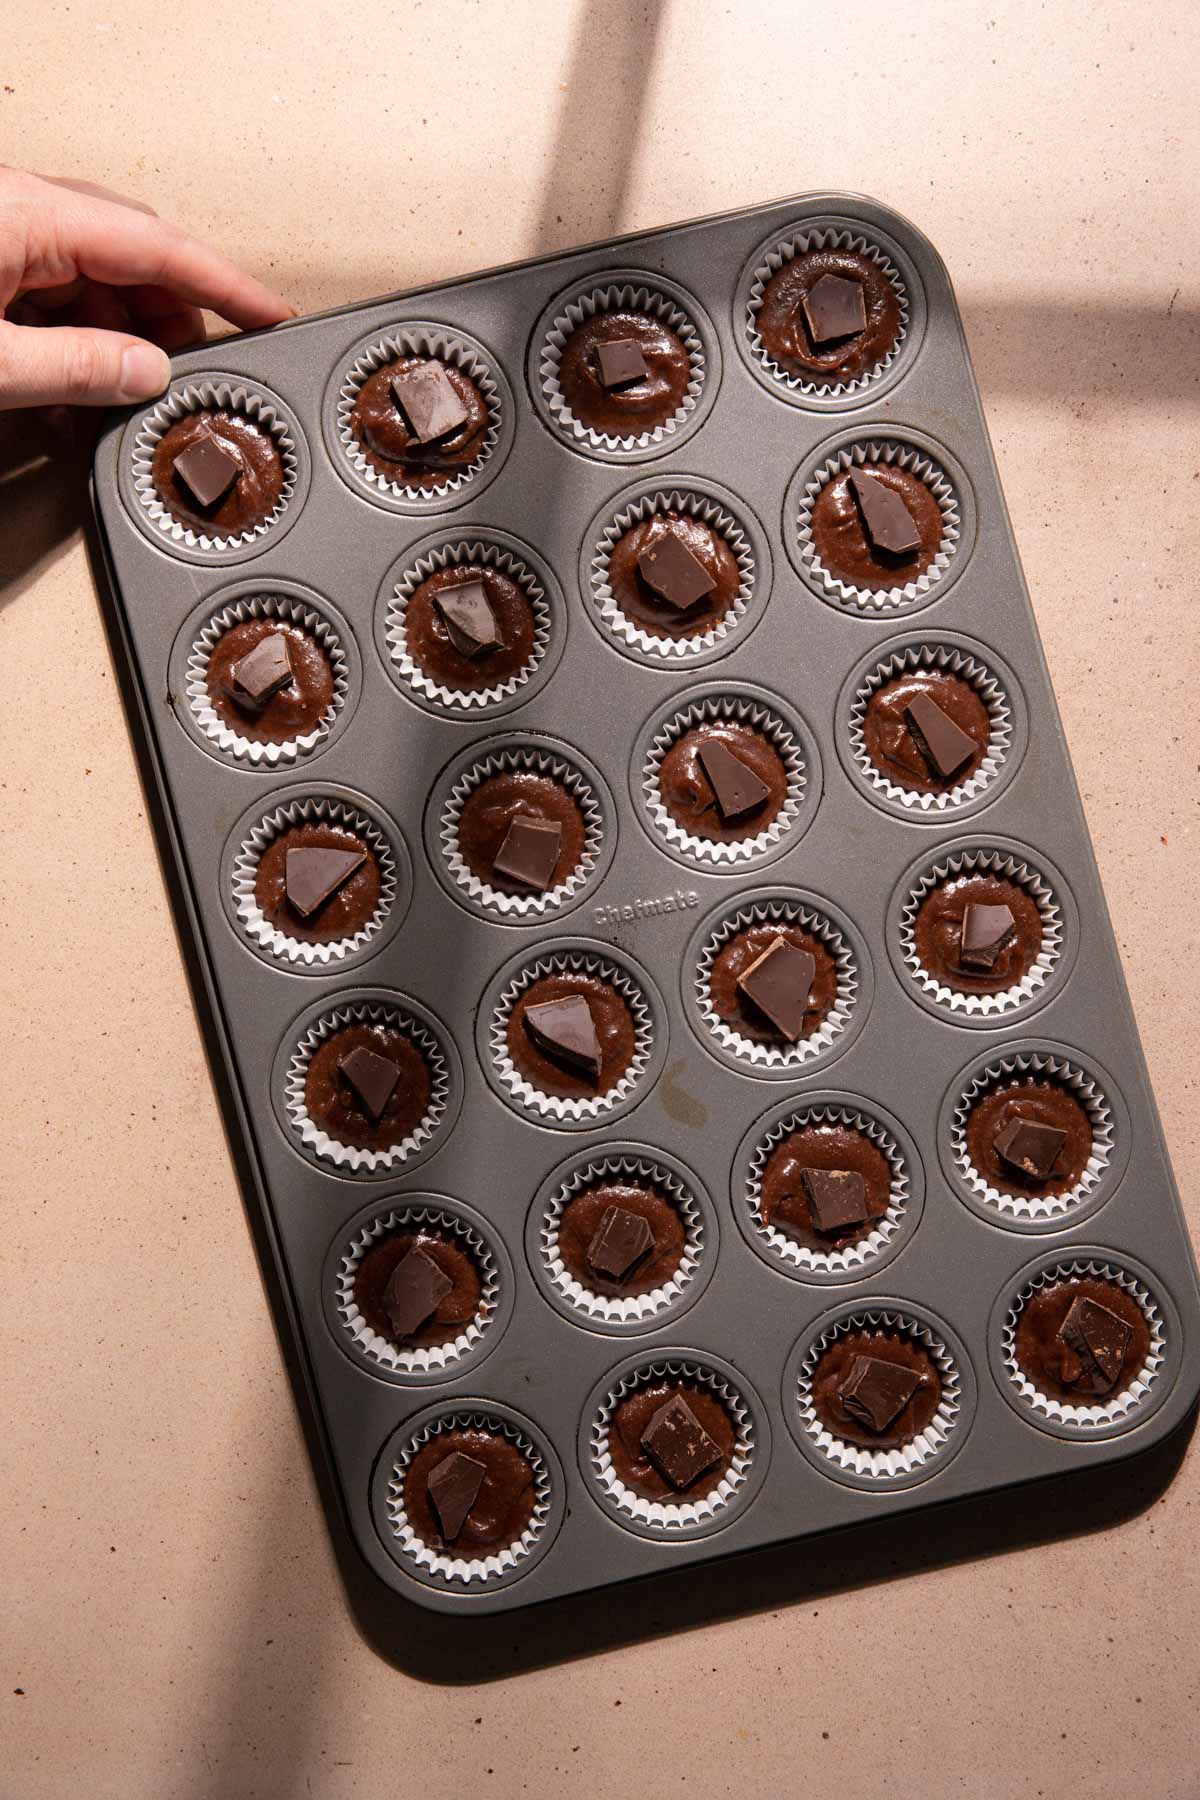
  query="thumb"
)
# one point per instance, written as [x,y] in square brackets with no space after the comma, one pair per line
[48,365]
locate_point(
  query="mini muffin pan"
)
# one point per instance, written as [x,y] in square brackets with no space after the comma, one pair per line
[700,1109]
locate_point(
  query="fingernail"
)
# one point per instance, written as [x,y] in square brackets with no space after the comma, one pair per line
[145,371]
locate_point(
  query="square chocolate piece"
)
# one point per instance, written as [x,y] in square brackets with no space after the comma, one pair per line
[467,614]
[454,1488]
[259,675]
[834,308]
[986,931]
[678,577]
[1099,1338]
[779,982]
[429,403]
[207,470]
[942,744]
[621,1240]
[837,1198]
[620,361]
[678,1444]
[313,875]
[875,1393]
[886,520]
[530,852]
[371,1079]
[414,1290]
[566,1032]
[736,788]
[1030,1147]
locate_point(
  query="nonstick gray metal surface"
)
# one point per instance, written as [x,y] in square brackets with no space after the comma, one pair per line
[900,1058]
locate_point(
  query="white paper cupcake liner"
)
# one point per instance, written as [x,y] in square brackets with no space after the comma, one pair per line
[759,716]
[948,660]
[416,1359]
[1007,867]
[619,297]
[786,251]
[888,1462]
[245,871]
[289,612]
[1013,1071]
[885,452]
[204,396]
[554,768]
[622,1309]
[350,1156]
[676,1516]
[817,925]
[587,1106]
[851,1257]
[446,347]
[1097,1414]
[709,512]
[469,1571]
[462,553]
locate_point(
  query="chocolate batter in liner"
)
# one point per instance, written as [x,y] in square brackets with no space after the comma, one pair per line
[628,1479]
[631,610]
[658,405]
[623,1022]
[252,427]
[743,723]
[543,785]
[291,725]
[414,1113]
[641,1185]
[474,1558]
[871,1333]
[507,580]
[469,449]
[829,524]
[1133,1302]
[469,1308]
[350,918]
[786,273]
[882,744]
[827,1136]
[747,933]
[932,916]
[1020,1083]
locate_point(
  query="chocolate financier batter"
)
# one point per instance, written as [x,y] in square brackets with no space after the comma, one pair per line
[429,643]
[740,1013]
[581,1217]
[636,406]
[784,1201]
[633,1466]
[638,600]
[453,1311]
[834,1368]
[937,932]
[614,1026]
[254,493]
[346,911]
[1047,1360]
[840,538]
[297,708]
[378,424]
[889,740]
[1044,1103]
[333,1105]
[491,808]
[784,330]
[687,793]
[503,1507]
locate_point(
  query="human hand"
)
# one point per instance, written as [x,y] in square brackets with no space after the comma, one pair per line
[95,289]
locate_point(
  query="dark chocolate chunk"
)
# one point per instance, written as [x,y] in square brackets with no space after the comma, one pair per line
[566,1031]
[1099,1340]
[207,470]
[415,1287]
[258,676]
[372,1078]
[468,617]
[986,931]
[837,1198]
[313,875]
[620,1241]
[886,520]
[1029,1146]
[778,982]
[454,1488]
[530,852]
[678,1444]
[874,1392]
[619,362]
[736,788]
[834,308]
[941,742]
[668,566]
[429,403]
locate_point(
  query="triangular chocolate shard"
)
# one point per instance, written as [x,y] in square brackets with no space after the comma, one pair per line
[886,520]
[1029,1146]
[415,1287]
[1099,1338]
[837,1198]
[372,1079]
[619,362]
[468,617]
[207,470]
[875,1393]
[834,308]
[678,1444]
[454,1488]
[259,675]
[678,577]
[427,399]
[313,875]
[530,852]
[566,1032]
[736,788]
[941,742]
[619,1243]
[986,931]
[779,982]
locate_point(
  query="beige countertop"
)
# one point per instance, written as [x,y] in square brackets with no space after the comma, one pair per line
[172,1623]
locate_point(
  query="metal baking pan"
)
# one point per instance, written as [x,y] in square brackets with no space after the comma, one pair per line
[698,1112]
